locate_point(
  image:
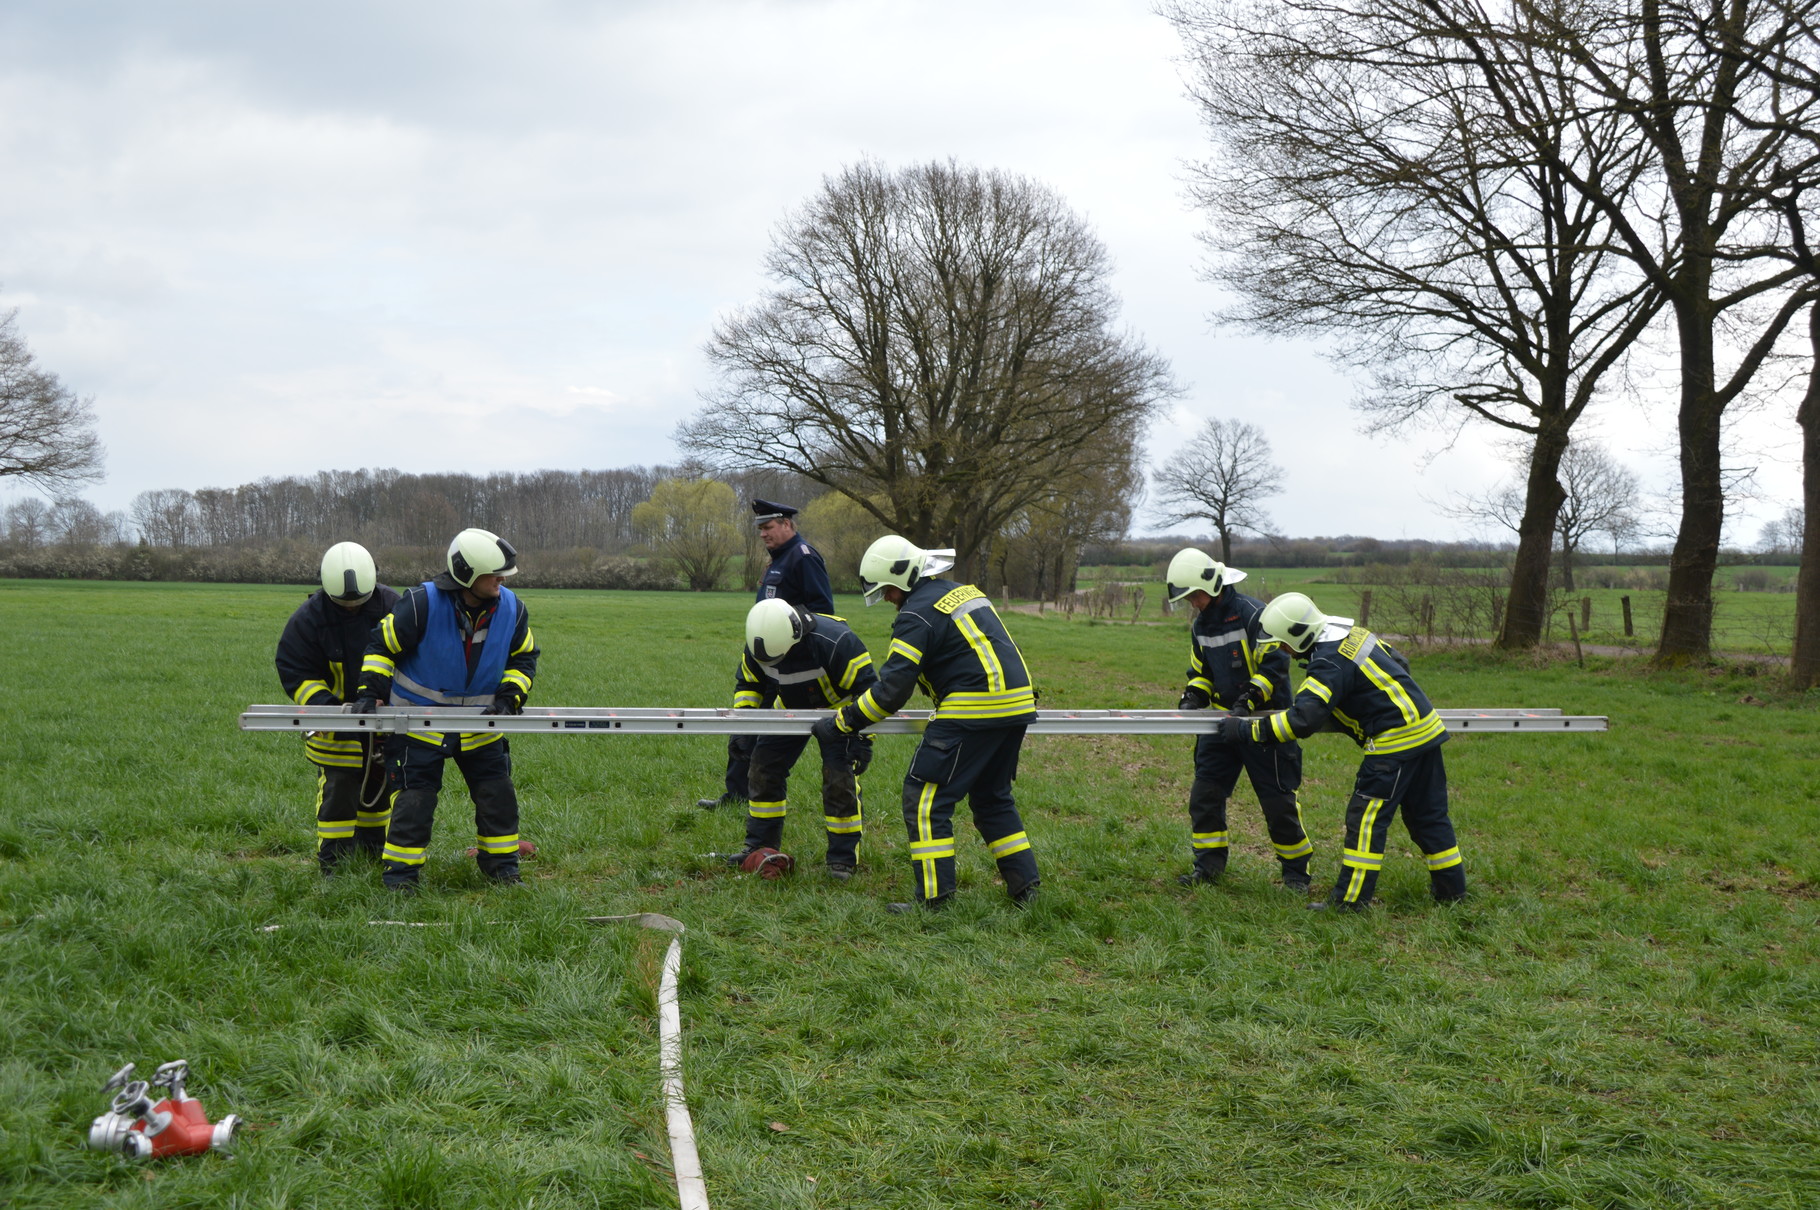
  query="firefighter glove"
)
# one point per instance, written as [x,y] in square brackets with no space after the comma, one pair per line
[1194,698]
[1250,700]
[1235,730]
[826,728]
[365,704]
[859,753]
[506,701]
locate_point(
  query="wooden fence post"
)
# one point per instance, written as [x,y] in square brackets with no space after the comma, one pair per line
[1365,608]
[1628,631]
[1585,615]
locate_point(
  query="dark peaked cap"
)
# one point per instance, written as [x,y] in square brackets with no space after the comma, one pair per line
[770,510]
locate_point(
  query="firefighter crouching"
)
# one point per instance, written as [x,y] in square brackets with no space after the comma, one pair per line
[1359,681]
[803,661]
[462,639]
[318,662]
[1234,666]
[948,637]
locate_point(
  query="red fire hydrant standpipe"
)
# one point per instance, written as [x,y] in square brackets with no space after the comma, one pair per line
[137,1127]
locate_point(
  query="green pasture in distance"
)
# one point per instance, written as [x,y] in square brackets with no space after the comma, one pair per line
[1627,1014]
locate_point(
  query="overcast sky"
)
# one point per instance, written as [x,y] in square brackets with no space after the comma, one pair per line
[271,240]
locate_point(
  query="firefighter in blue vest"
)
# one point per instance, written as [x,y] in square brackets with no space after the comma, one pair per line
[950,640]
[1363,684]
[1232,665]
[318,663]
[462,639]
[797,575]
[804,661]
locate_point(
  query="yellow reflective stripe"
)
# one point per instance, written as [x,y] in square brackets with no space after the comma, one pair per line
[748,699]
[765,810]
[1399,739]
[841,823]
[982,648]
[1356,859]
[516,676]
[1445,859]
[388,631]
[497,844]
[379,664]
[375,819]
[1279,727]
[1203,684]
[308,690]
[1351,724]
[402,855]
[334,829]
[1211,840]
[1262,682]
[1355,886]
[899,647]
[1368,824]
[479,739]
[1002,704]
[1289,852]
[1005,846]
[869,708]
[862,660]
[526,645]
[1318,689]
[926,850]
[1399,697]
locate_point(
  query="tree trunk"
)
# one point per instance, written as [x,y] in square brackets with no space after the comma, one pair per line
[1225,545]
[1804,669]
[1687,615]
[1567,565]
[1526,608]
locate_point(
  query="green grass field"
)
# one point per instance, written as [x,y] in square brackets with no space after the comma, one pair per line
[1627,1014]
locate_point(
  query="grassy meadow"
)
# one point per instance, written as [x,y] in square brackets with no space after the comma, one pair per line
[1626,1014]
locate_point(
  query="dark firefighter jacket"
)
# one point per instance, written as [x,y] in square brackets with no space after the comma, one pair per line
[318,661]
[1364,685]
[950,641]
[401,631]
[1228,652]
[825,669]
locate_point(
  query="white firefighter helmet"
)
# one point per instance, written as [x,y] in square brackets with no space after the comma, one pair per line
[348,574]
[1293,620]
[900,563]
[479,552]
[774,626]
[1193,569]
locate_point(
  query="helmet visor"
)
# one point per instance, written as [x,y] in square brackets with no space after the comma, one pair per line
[872,592]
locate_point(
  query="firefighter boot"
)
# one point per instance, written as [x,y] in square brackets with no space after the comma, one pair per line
[331,852]
[766,833]
[1449,885]
[1207,823]
[407,837]
[1021,879]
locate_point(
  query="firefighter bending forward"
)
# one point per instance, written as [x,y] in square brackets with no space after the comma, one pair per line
[804,661]
[318,661]
[1364,685]
[462,639]
[948,637]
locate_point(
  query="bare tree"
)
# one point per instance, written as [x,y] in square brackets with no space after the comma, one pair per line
[938,342]
[1599,496]
[74,521]
[28,522]
[1785,535]
[689,524]
[47,431]
[1378,185]
[1222,476]
[166,517]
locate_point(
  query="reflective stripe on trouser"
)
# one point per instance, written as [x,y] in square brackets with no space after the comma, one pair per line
[773,757]
[739,753]
[983,767]
[415,772]
[342,826]
[1275,771]
[1417,785]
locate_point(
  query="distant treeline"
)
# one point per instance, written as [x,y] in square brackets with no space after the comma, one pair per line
[1349,550]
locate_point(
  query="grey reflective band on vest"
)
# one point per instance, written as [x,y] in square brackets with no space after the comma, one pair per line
[404,682]
[970,606]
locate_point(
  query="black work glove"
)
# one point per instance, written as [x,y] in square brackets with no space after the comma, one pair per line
[506,701]
[363,704]
[1250,700]
[826,729]
[1194,698]
[1235,730]
[859,753]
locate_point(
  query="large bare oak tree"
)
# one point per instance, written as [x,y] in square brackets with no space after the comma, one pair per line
[938,346]
[47,431]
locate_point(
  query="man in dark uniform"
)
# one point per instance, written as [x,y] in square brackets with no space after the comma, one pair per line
[949,638]
[319,665]
[462,639]
[1362,683]
[798,576]
[1232,665]
[806,661]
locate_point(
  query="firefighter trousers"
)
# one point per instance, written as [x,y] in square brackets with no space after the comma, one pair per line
[1276,774]
[352,810]
[952,763]
[1418,785]
[773,756]
[415,769]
